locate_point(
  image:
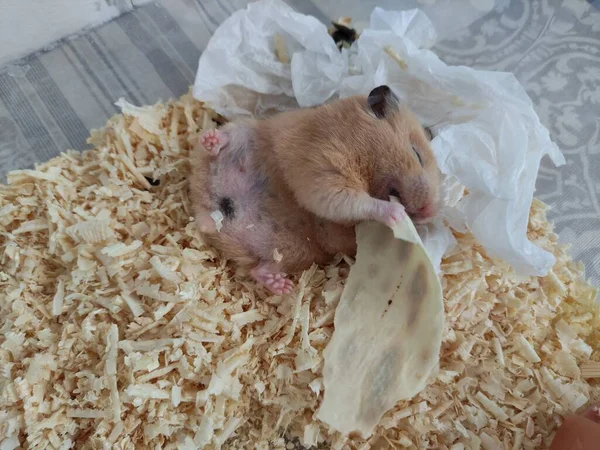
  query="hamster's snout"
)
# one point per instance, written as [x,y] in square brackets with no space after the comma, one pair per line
[419,201]
[427,211]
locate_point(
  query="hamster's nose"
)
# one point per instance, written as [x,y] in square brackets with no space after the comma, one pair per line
[426,211]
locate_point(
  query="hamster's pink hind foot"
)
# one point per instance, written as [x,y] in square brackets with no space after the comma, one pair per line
[272,279]
[214,141]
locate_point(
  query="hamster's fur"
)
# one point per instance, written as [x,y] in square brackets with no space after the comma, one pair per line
[298,182]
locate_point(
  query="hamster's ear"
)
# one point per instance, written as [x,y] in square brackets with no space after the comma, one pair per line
[428,133]
[382,101]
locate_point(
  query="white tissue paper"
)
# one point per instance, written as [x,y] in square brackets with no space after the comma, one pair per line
[488,137]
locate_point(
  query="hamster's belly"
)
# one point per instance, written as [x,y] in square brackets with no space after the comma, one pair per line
[238,192]
[259,218]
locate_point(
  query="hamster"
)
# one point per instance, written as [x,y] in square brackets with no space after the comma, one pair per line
[296,184]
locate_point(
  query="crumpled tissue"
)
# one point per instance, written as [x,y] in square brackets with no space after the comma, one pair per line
[488,138]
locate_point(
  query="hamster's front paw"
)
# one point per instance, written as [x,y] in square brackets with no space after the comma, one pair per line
[214,141]
[390,213]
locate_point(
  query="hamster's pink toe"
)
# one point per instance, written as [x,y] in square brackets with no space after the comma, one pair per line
[276,282]
[288,287]
[214,141]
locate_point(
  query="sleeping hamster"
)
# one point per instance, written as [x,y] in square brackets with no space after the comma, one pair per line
[292,187]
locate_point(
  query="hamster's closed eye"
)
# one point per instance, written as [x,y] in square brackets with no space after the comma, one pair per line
[418,155]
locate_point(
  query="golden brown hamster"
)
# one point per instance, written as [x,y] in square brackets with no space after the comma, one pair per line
[296,184]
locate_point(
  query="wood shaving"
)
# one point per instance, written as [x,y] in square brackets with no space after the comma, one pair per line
[278,257]
[346,21]
[590,370]
[122,329]
[218,217]
[281,51]
[388,49]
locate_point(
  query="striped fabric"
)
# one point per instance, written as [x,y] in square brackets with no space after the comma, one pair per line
[50,101]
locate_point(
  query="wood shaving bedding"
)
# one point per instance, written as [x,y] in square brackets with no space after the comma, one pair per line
[121,329]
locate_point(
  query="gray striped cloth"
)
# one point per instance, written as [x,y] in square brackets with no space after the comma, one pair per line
[50,101]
